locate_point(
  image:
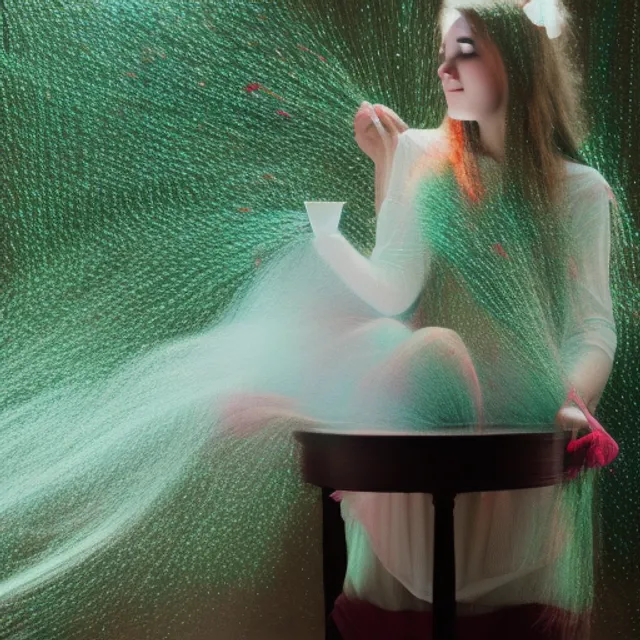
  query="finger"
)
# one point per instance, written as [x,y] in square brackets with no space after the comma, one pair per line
[388,123]
[367,113]
[383,113]
[363,115]
[399,123]
[375,123]
[363,109]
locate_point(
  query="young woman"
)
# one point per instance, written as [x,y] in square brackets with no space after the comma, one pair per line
[485,300]
[494,238]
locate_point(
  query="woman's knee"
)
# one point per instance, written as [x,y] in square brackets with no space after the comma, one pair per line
[447,338]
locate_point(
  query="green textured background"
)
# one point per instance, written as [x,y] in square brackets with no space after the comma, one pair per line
[155,153]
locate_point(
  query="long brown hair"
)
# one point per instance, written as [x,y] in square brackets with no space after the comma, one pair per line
[545,122]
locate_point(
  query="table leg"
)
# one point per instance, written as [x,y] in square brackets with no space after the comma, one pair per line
[444,568]
[334,558]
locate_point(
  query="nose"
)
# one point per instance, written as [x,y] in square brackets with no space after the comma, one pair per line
[447,69]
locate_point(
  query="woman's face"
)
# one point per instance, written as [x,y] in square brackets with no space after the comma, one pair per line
[472,74]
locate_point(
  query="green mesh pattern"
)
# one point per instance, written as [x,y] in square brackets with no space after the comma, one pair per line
[154,156]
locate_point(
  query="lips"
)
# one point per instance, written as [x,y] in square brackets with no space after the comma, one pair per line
[454,90]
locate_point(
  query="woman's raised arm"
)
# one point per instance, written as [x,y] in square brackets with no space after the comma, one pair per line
[392,278]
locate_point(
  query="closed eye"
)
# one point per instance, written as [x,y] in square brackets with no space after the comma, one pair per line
[467,49]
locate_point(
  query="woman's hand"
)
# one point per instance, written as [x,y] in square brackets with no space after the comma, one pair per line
[572,419]
[376,129]
[594,450]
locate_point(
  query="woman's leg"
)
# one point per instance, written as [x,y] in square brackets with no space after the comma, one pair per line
[430,375]
[332,368]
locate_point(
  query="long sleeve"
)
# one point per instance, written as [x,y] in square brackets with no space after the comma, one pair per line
[391,279]
[590,340]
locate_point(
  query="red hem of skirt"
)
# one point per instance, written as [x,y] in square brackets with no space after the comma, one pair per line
[360,620]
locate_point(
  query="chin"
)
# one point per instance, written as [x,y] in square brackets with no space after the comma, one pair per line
[456,113]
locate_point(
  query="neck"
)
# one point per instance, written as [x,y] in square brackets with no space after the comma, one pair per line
[492,134]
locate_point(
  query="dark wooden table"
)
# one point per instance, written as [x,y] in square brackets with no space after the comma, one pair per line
[442,463]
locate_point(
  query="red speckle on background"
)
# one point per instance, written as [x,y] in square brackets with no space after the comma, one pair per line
[244,210]
[499,249]
[252,87]
[303,48]
[283,113]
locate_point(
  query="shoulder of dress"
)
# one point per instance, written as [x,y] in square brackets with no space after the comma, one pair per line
[588,194]
[421,146]
[585,181]
[422,139]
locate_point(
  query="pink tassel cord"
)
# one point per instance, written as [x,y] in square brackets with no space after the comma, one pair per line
[599,447]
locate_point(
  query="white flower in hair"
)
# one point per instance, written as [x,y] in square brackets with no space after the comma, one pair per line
[547,14]
[543,13]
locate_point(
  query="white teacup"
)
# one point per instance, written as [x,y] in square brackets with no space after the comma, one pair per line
[324,216]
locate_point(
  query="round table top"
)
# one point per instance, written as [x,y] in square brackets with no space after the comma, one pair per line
[454,460]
